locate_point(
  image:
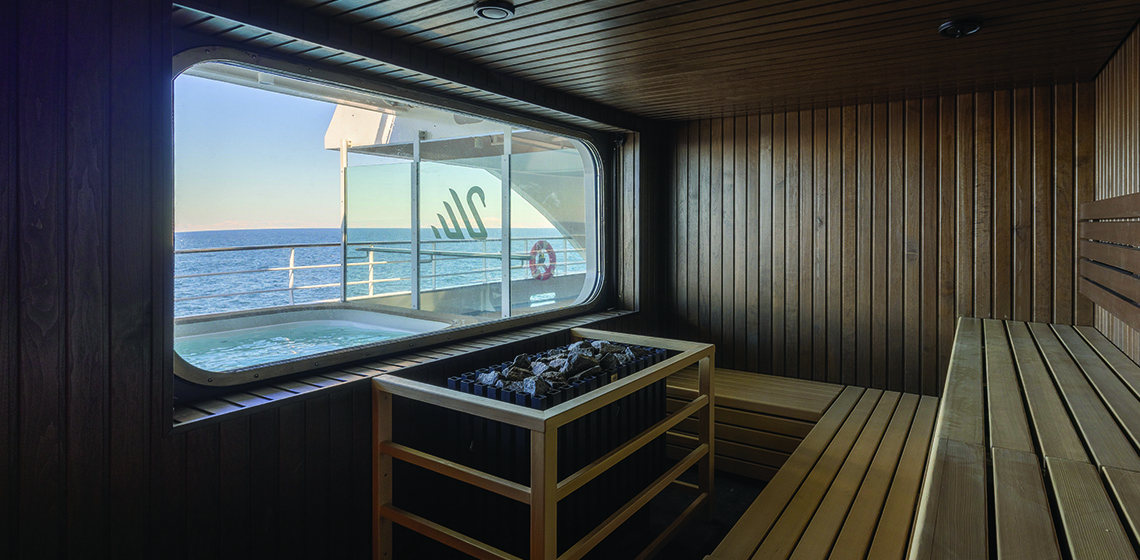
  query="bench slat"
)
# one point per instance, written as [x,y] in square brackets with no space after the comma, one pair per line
[1125,486]
[1021,509]
[758,438]
[1087,515]
[1120,363]
[792,398]
[893,531]
[1055,433]
[961,415]
[753,526]
[859,527]
[1107,444]
[956,526]
[1121,402]
[726,448]
[752,420]
[825,525]
[792,522]
[1008,426]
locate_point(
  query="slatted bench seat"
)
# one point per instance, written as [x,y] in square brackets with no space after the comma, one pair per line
[1053,411]
[849,490]
[760,419]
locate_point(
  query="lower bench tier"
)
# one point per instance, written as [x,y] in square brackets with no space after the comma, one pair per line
[760,419]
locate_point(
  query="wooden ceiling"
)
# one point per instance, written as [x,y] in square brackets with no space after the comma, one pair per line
[680,60]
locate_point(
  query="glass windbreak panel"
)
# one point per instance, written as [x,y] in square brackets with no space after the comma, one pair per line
[550,206]
[461,247]
[379,241]
[314,220]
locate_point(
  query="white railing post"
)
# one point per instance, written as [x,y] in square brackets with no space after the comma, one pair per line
[292,259]
[371,272]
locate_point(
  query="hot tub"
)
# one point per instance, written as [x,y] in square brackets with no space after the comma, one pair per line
[230,349]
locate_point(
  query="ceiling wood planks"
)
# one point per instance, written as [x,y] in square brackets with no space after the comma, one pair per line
[681,60]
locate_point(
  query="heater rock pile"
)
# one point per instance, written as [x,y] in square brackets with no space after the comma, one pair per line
[549,378]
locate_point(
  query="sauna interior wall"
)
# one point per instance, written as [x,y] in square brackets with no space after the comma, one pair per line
[841,244]
[88,468]
[1118,155]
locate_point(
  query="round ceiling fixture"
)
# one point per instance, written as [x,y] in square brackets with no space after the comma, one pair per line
[958,28]
[494,9]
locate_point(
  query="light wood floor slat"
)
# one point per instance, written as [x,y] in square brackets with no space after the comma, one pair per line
[787,530]
[1120,363]
[1125,488]
[1106,442]
[1092,529]
[893,531]
[1021,508]
[962,400]
[1055,432]
[956,525]
[859,528]
[1008,426]
[1121,402]
[880,436]
[754,525]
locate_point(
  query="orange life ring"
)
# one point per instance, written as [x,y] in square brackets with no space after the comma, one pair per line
[542,260]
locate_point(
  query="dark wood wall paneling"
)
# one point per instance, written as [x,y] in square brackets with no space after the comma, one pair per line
[9,267]
[87,463]
[1118,156]
[841,244]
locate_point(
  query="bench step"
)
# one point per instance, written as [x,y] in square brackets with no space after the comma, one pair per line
[760,419]
[849,489]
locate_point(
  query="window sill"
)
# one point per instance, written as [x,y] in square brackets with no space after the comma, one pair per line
[242,402]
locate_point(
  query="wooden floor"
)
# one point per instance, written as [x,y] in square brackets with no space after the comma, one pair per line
[1054,410]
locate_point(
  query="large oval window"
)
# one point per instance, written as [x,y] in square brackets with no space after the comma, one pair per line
[312,219]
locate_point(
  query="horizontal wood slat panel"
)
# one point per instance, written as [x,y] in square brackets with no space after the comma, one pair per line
[942,208]
[1118,177]
[1119,256]
[1125,233]
[1124,284]
[1121,309]
[1125,206]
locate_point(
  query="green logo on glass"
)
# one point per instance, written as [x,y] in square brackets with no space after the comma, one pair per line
[456,232]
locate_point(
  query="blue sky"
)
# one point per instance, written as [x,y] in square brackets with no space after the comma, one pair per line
[250,159]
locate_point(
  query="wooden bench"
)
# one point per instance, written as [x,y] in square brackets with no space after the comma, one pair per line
[1053,411]
[849,490]
[760,419]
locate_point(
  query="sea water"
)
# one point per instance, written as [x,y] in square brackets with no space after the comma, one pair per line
[240,348]
[259,289]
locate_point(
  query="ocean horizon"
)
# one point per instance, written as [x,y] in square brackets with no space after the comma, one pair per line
[203,280]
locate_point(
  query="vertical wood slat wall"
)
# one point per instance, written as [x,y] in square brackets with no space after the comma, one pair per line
[87,464]
[1118,156]
[841,244]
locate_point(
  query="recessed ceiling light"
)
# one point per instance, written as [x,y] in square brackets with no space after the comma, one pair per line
[494,9]
[959,28]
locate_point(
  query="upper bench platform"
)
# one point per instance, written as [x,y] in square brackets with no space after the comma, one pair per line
[1055,410]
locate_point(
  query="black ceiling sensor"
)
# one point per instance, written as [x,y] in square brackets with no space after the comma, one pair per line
[959,28]
[494,9]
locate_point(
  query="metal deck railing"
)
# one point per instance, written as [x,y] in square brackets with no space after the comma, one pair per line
[430,253]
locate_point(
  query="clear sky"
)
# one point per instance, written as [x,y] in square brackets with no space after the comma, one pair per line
[251,159]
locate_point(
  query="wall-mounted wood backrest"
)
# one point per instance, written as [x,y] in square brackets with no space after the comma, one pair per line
[1110,256]
[841,245]
[1118,158]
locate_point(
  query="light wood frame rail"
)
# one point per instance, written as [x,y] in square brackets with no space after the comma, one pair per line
[545,490]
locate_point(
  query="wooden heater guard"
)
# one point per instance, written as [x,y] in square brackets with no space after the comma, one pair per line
[546,490]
